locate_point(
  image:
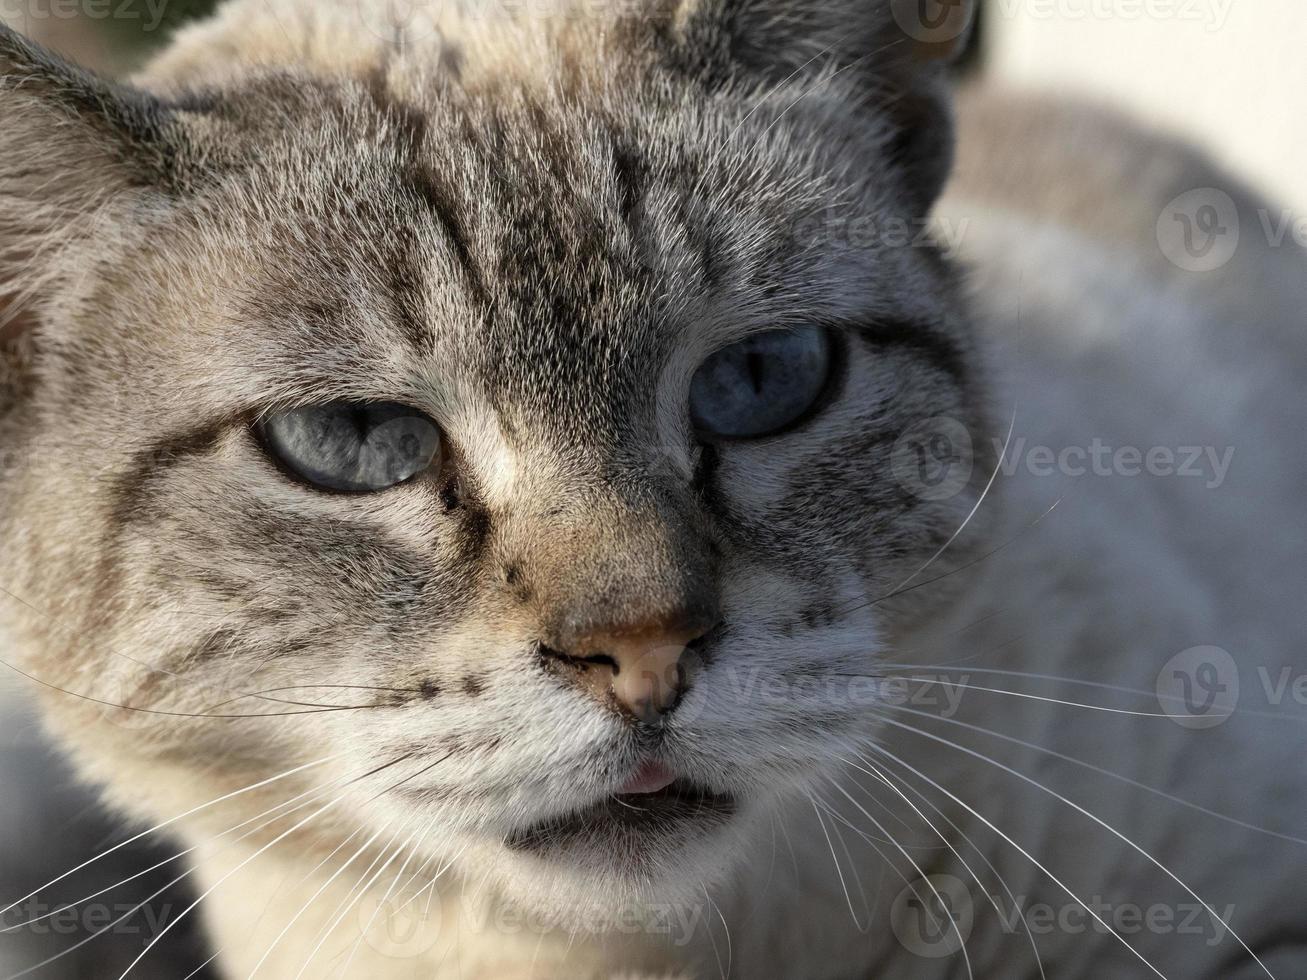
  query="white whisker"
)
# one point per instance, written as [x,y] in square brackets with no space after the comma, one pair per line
[966,957]
[1096,819]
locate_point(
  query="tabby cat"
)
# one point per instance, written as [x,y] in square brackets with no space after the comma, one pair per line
[521,490]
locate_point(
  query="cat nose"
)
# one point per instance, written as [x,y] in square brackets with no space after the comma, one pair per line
[636,672]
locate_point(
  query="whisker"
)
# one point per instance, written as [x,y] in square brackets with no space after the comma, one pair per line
[998,468]
[1096,819]
[891,815]
[1105,772]
[389,891]
[839,873]
[1030,675]
[202,967]
[195,904]
[362,849]
[1068,704]
[966,957]
[430,886]
[885,777]
[353,897]
[724,971]
[167,823]
[1026,854]
[175,881]
[974,561]
[158,711]
[870,839]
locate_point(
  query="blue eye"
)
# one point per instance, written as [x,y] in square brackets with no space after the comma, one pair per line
[762,385]
[354,448]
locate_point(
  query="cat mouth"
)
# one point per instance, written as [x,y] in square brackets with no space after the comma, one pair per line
[628,822]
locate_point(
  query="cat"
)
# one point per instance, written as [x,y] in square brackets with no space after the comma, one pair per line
[551,490]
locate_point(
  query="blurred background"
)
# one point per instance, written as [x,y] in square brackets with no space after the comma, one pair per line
[1229,75]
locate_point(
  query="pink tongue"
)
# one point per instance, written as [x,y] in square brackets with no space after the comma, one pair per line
[649,778]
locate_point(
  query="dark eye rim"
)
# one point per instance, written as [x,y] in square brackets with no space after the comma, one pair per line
[837,347]
[256,424]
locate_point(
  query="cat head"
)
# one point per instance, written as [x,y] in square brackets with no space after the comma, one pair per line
[501,412]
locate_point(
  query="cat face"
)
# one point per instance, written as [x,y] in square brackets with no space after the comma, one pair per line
[523,442]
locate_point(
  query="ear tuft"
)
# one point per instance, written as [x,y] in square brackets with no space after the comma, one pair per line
[890,56]
[34,82]
[72,147]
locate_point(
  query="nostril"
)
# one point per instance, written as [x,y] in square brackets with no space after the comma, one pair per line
[549,653]
[640,681]
[601,660]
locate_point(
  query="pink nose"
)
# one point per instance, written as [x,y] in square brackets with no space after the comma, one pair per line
[638,673]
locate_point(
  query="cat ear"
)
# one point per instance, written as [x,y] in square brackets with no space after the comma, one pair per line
[74,149]
[889,57]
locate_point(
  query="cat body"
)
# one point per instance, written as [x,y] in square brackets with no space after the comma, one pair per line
[537,227]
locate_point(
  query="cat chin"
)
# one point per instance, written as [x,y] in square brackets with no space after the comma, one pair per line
[624,885]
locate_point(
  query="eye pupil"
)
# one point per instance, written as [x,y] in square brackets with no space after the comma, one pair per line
[763,385]
[756,363]
[353,448]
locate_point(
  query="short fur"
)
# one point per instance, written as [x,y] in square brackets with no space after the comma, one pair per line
[536,227]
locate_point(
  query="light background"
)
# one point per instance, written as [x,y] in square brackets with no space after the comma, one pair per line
[1230,74]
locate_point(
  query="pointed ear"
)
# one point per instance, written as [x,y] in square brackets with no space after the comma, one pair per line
[889,57]
[75,151]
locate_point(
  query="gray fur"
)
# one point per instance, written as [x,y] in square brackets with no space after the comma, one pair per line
[535,229]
